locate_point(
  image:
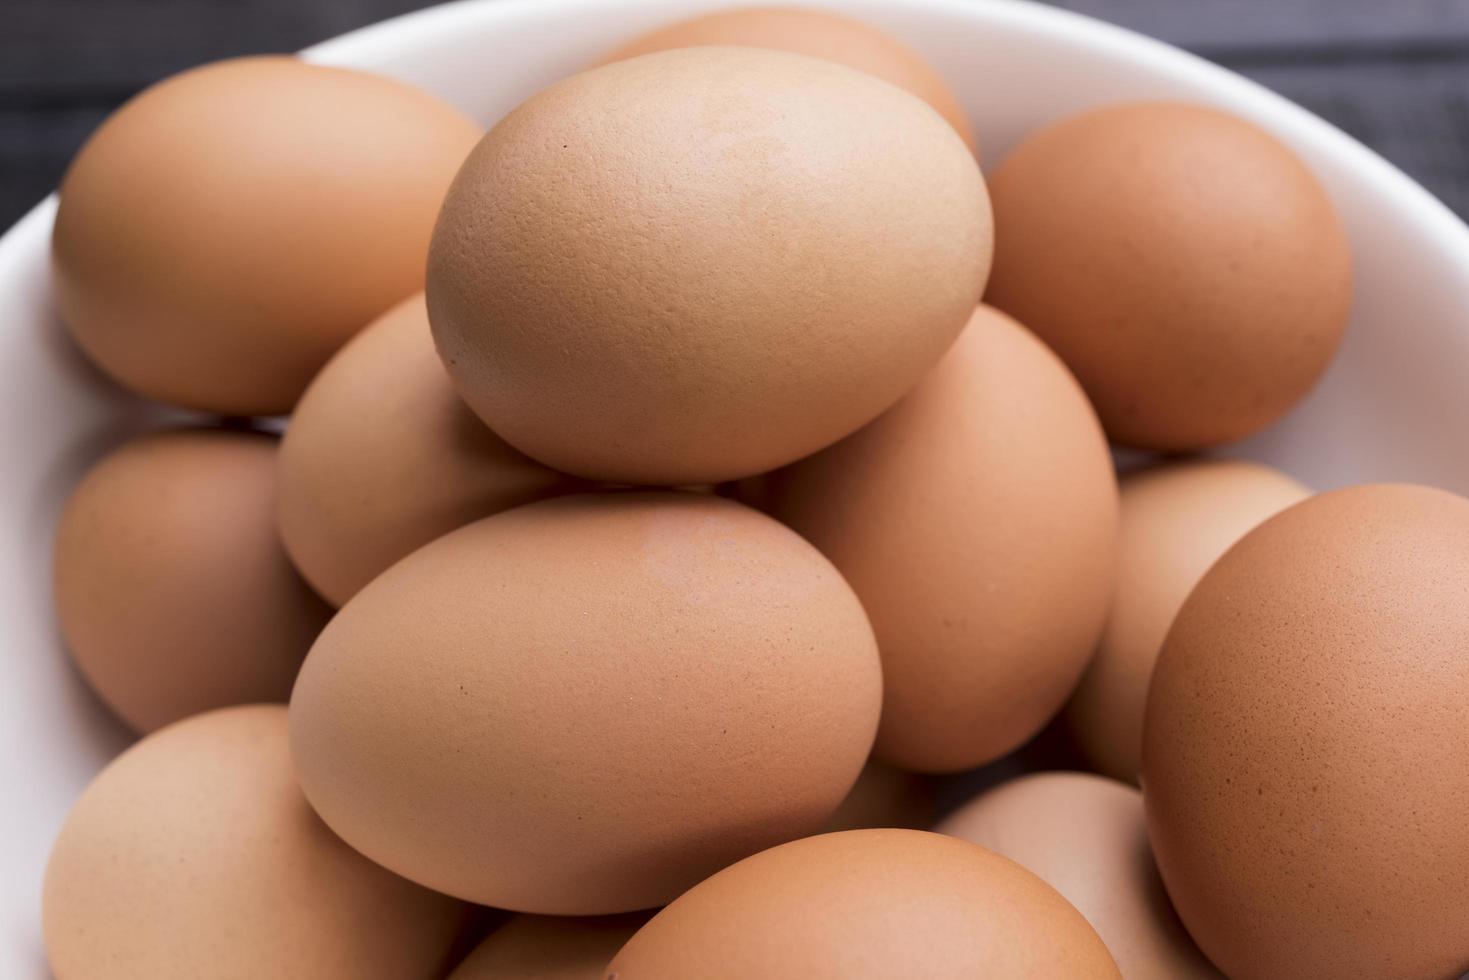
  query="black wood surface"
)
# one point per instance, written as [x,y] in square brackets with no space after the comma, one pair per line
[1394,73]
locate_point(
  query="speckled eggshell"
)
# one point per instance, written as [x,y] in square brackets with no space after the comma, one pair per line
[193,856]
[884,796]
[1187,266]
[977,521]
[701,264]
[382,456]
[818,33]
[1305,754]
[587,704]
[1176,520]
[1086,837]
[867,903]
[546,947]
[173,592]
[225,231]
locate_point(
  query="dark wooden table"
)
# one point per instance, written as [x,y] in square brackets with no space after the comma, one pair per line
[1394,73]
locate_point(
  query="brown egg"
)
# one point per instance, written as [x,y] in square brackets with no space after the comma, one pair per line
[885,797]
[546,947]
[977,522]
[225,231]
[1086,837]
[1176,520]
[173,593]
[818,33]
[587,704]
[194,855]
[1305,756]
[867,903]
[702,264]
[1183,263]
[382,456]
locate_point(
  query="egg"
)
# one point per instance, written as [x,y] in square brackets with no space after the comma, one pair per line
[1176,520]
[587,704]
[818,33]
[1186,266]
[172,591]
[867,903]
[225,231]
[977,522]
[382,456]
[1086,837]
[1305,757]
[885,797]
[546,947]
[701,264]
[194,855]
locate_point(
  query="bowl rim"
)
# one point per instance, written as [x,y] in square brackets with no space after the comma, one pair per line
[374,43]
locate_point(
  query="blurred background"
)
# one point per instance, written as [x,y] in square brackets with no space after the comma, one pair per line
[1393,73]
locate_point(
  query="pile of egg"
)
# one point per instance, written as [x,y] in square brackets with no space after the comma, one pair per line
[683,481]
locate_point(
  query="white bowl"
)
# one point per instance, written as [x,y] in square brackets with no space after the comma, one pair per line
[1391,407]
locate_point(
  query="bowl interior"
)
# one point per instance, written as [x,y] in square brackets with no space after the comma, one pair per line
[1389,409]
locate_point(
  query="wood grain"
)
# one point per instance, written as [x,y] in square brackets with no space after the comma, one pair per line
[1287,24]
[1394,73]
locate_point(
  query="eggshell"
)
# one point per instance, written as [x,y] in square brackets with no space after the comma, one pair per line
[885,797]
[382,456]
[1305,757]
[977,522]
[818,33]
[173,593]
[587,704]
[867,903]
[1186,265]
[225,231]
[545,947]
[702,264]
[1176,520]
[1086,837]
[194,856]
